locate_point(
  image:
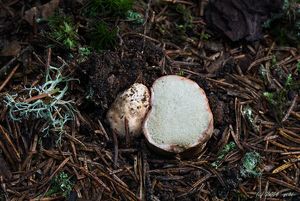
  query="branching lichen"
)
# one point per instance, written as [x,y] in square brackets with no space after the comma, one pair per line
[44,102]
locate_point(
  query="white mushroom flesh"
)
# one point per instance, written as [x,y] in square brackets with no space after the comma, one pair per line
[179,114]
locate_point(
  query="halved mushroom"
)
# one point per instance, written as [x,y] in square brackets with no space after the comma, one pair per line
[180,120]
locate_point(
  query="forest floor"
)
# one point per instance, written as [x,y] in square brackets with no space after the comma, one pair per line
[64,62]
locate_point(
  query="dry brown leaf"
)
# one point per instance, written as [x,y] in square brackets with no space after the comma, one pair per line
[43,11]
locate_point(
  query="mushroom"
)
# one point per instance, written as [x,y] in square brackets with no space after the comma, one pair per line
[180,120]
[129,110]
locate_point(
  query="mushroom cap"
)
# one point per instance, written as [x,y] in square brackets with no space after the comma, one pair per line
[132,106]
[180,120]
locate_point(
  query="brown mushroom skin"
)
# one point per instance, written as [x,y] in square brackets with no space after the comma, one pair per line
[174,149]
[128,111]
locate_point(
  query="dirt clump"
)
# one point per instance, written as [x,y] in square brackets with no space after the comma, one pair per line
[110,72]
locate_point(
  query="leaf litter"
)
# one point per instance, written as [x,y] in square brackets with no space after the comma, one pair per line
[260,141]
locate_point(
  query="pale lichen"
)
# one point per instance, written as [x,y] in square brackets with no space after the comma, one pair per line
[52,108]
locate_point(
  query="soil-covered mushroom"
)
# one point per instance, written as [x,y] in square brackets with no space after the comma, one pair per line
[180,120]
[129,110]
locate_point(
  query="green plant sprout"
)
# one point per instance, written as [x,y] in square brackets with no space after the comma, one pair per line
[285,26]
[205,36]
[263,72]
[90,93]
[180,73]
[273,61]
[278,99]
[84,53]
[270,96]
[250,162]
[61,183]
[63,30]
[186,20]
[102,37]
[53,109]
[289,81]
[221,154]
[108,7]
[134,17]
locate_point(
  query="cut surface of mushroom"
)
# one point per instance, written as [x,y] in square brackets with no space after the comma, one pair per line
[180,117]
[128,111]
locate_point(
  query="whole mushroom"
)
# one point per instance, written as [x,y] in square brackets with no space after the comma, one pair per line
[129,110]
[179,121]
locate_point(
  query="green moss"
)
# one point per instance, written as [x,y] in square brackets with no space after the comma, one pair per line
[250,164]
[289,81]
[61,184]
[205,36]
[273,61]
[84,53]
[222,153]
[278,100]
[102,37]
[134,17]
[62,29]
[180,73]
[108,7]
[185,21]
[286,26]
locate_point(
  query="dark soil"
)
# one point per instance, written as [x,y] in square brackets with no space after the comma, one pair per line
[112,72]
[253,90]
